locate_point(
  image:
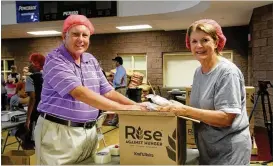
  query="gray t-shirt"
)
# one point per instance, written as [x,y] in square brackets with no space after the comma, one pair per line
[29,85]
[222,89]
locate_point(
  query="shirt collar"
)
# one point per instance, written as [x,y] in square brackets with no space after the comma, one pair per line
[67,55]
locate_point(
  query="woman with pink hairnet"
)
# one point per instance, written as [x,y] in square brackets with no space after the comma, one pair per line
[218,100]
[73,92]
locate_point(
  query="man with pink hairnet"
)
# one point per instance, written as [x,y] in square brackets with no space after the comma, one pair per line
[74,90]
[218,100]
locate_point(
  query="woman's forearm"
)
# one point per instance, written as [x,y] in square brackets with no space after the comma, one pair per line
[210,117]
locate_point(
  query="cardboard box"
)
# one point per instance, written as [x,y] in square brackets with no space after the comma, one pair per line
[151,138]
[19,157]
[191,146]
[250,90]
[190,134]
[188,95]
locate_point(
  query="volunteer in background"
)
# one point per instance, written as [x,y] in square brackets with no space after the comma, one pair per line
[120,77]
[119,83]
[34,83]
[20,99]
[74,90]
[13,78]
[218,100]
[3,93]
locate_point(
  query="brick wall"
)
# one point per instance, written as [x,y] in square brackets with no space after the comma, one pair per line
[154,44]
[261,59]
[107,46]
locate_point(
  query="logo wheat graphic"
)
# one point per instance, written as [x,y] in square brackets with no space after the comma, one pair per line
[139,133]
[171,149]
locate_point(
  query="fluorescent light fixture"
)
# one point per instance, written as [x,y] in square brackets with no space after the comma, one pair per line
[134,27]
[51,32]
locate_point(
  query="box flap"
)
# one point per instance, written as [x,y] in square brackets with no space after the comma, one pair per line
[153,113]
[191,119]
[146,113]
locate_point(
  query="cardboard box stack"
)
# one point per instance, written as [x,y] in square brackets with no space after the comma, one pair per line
[249,106]
[136,80]
[145,91]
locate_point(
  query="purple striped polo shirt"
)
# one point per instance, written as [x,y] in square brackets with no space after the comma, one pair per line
[61,75]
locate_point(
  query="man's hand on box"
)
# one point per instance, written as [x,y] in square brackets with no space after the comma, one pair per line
[149,106]
[136,107]
[145,109]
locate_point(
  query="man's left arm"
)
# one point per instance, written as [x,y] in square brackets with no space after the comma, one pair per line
[115,96]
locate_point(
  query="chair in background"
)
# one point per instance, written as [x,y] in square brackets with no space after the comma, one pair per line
[99,123]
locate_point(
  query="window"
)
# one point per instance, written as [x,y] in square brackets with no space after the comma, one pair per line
[6,66]
[179,68]
[135,63]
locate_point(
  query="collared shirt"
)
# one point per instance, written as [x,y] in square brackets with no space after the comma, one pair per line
[61,75]
[120,73]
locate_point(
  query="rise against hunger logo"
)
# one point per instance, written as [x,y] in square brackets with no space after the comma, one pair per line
[139,136]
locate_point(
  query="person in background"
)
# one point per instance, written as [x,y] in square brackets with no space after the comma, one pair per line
[73,92]
[218,100]
[20,99]
[13,78]
[120,77]
[110,77]
[3,93]
[25,73]
[119,83]
[34,83]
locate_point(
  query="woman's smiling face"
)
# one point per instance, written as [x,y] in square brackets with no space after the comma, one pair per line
[202,45]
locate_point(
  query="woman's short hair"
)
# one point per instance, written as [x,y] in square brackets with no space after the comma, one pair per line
[211,28]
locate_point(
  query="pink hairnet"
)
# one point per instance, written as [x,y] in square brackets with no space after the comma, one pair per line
[219,33]
[77,20]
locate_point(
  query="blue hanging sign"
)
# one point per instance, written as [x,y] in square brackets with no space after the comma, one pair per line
[27,11]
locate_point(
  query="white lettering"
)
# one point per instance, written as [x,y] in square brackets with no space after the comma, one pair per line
[69,13]
[22,8]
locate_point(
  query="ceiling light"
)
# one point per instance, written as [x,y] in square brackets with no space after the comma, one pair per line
[44,33]
[133,27]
